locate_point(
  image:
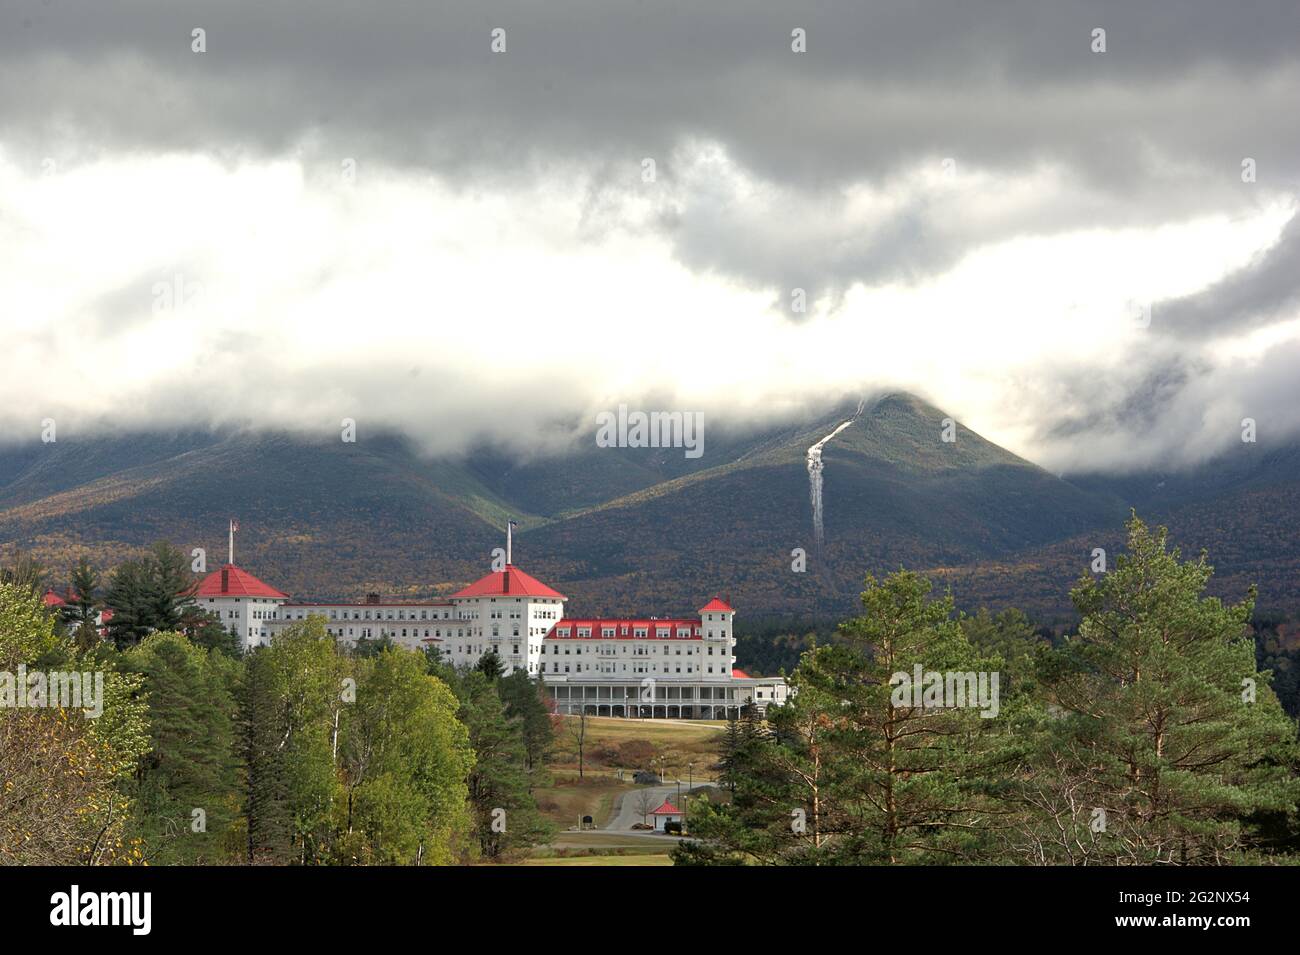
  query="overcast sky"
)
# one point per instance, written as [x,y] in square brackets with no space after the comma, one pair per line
[368,213]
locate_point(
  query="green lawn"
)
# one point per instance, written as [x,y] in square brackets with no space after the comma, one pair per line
[567,799]
[612,744]
[656,859]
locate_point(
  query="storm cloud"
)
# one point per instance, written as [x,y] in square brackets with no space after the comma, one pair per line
[362,210]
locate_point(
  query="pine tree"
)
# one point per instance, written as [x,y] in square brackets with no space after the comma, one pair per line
[726,767]
[849,773]
[149,594]
[186,790]
[83,598]
[266,803]
[525,703]
[1164,736]
[204,629]
[490,665]
[505,815]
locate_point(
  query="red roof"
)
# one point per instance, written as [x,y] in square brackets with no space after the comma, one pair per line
[740,674]
[230,581]
[511,582]
[52,599]
[667,809]
[717,604]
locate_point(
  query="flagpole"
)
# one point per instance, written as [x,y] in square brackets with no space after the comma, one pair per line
[232,542]
[509,524]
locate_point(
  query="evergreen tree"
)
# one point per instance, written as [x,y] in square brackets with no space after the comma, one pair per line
[1164,736]
[191,765]
[204,629]
[853,771]
[726,767]
[490,665]
[505,815]
[149,594]
[1008,635]
[525,704]
[83,603]
[291,709]
[266,803]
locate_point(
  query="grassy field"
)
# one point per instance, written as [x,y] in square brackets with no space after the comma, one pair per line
[612,745]
[604,848]
[567,799]
[656,859]
[607,738]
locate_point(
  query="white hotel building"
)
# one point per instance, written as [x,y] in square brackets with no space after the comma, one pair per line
[652,667]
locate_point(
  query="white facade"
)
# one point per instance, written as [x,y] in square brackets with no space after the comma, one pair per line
[464,629]
[247,617]
[681,668]
[653,668]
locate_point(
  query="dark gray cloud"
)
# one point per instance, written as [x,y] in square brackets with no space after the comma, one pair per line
[1151,132]
[1267,289]
[998,85]
[1152,129]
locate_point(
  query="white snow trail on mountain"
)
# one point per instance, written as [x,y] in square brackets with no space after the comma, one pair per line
[815,479]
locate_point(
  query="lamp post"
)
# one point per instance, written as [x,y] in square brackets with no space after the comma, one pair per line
[690,787]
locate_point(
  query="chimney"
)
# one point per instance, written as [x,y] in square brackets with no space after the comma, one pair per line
[225,580]
[505,580]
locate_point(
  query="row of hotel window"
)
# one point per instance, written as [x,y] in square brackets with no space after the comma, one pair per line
[606,649]
[661,633]
[296,614]
[636,668]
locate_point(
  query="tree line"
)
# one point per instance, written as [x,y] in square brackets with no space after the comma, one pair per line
[1147,737]
[300,752]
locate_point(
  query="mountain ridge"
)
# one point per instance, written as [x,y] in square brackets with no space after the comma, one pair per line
[626,532]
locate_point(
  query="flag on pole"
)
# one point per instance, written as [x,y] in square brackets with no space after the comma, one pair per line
[234,524]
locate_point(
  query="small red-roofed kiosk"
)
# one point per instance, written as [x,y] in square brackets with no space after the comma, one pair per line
[666,813]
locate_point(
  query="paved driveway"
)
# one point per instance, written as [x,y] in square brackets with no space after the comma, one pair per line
[627,812]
